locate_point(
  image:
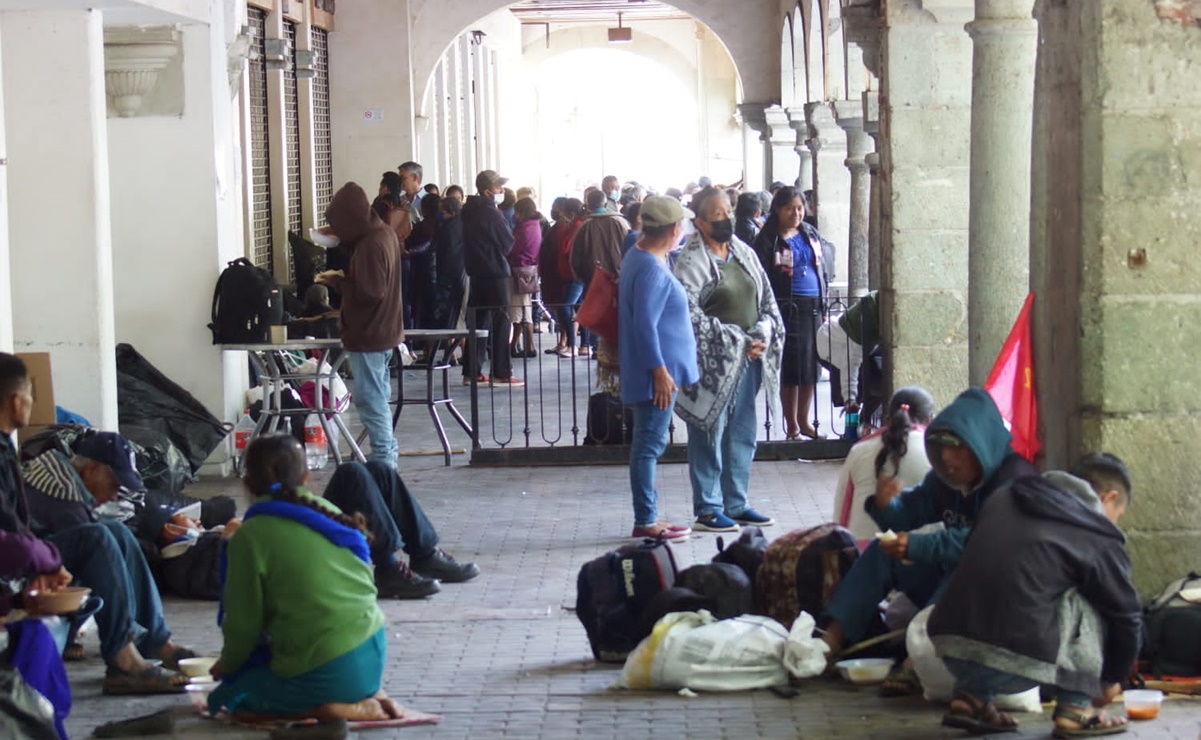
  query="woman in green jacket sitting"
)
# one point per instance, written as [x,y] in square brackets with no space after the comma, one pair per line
[303,636]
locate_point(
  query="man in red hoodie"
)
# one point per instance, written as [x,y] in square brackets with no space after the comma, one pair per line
[372,313]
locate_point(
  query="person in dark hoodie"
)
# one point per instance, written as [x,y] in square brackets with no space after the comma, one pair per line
[968,446]
[372,313]
[1043,595]
[487,241]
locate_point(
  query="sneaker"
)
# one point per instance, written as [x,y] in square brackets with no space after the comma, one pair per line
[442,566]
[510,382]
[661,531]
[399,582]
[752,518]
[717,522]
[481,379]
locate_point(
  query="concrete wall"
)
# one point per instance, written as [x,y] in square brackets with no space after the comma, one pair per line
[6,302]
[1139,159]
[176,221]
[925,135]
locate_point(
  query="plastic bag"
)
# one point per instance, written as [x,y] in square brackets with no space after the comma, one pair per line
[695,651]
[24,713]
[340,394]
[937,682]
[148,399]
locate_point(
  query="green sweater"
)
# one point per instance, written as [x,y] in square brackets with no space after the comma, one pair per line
[313,599]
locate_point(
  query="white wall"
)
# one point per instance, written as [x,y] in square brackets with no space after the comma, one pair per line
[176,200]
[61,249]
[6,303]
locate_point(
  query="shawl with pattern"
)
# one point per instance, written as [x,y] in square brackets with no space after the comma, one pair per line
[721,348]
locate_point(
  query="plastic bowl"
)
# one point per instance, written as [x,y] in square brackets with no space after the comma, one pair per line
[865,671]
[196,667]
[63,601]
[1143,703]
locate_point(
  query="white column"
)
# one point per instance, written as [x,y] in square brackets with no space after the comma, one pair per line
[796,119]
[61,260]
[781,140]
[849,115]
[871,126]
[454,108]
[754,149]
[467,104]
[1003,64]
[441,124]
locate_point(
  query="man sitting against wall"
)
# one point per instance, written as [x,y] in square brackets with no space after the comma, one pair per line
[103,556]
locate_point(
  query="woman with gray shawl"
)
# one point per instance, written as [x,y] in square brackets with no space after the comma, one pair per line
[740,339]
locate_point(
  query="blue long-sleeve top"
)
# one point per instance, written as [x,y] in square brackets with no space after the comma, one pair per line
[654,327]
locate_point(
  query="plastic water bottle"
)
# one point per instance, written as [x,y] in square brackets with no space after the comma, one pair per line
[242,432]
[316,450]
[851,430]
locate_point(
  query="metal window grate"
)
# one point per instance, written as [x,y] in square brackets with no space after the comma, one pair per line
[323,164]
[292,131]
[263,250]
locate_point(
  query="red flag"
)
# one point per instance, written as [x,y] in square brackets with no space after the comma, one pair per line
[1011,385]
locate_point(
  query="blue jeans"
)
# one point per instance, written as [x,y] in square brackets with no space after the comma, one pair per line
[372,394]
[106,558]
[394,517]
[572,293]
[985,683]
[719,463]
[869,580]
[648,444]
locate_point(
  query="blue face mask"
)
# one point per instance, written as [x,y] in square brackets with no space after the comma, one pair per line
[614,194]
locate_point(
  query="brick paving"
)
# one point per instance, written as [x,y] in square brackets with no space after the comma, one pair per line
[503,657]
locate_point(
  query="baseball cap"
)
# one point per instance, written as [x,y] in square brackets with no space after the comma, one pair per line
[490,180]
[663,210]
[113,450]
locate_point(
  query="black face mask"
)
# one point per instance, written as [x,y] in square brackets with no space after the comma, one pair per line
[722,231]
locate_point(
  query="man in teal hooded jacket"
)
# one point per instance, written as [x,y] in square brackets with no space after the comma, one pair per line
[968,446]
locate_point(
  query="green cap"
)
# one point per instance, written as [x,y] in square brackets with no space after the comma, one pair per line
[663,210]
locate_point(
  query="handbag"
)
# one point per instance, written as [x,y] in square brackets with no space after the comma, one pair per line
[598,312]
[525,279]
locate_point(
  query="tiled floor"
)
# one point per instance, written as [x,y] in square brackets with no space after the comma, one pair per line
[503,657]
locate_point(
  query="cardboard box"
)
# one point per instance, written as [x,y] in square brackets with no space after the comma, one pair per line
[38,366]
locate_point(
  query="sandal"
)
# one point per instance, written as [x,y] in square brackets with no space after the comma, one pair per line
[901,681]
[73,652]
[981,718]
[1091,725]
[153,680]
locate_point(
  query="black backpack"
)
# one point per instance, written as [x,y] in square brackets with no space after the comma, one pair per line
[613,591]
[609,421]
[246,304]
[1171,625]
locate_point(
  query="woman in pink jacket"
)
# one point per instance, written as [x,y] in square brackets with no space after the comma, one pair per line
[523,259]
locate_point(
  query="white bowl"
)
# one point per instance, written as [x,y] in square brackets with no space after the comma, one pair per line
[865,671]
[196,667]
[1142,703]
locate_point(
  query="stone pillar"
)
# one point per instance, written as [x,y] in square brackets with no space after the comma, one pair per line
[1004,38]
[62,264]
[797,120]
[871,126]
[924,146]
[831,182]
[754,149]
[849,115]
[781,140]
[1113,258]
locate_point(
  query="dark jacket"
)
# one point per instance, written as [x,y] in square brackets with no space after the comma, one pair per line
[598,240]
[747,230]
[448,252]
[372,318]
[487,239]
[973,417]
[1033,543]
[14,507]
[769,242]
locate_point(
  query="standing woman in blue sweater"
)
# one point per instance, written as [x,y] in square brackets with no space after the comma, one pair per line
[658,353]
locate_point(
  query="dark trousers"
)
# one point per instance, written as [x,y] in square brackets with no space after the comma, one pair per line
[855,602]
[490,300]
[106,558]
[393,515]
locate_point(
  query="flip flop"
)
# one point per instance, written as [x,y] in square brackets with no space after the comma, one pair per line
[73,652]
[153,680]
[171,662]
[904,682]
[982,718]
[1091,725]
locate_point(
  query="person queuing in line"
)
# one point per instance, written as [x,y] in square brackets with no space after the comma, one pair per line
[658,354]
[372,310]
[795,257]
[573,288]
[487,241]
[596,243]
[523,261]
[456,193]
[746,217]
[611,187]
[631,212]
[450,274]
[739,337]
[418,289]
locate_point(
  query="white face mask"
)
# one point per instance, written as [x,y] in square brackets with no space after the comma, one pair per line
[499,198]
[328,241]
